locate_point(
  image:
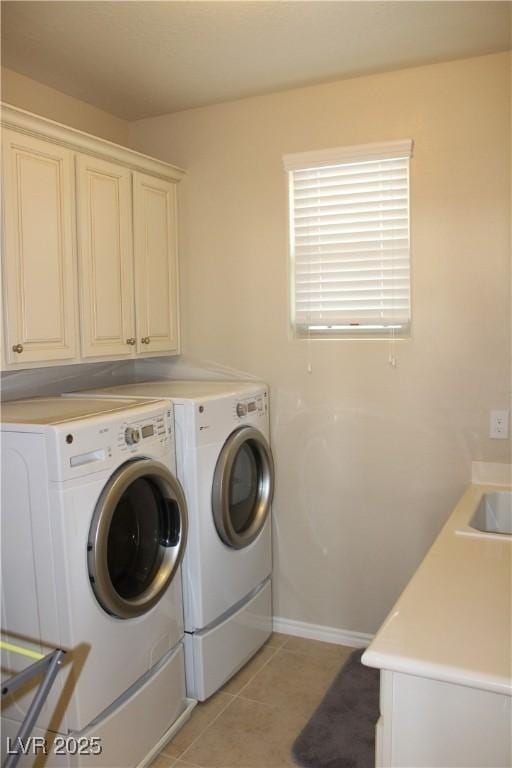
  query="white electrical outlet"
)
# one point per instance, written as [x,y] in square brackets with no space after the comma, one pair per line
[498,428]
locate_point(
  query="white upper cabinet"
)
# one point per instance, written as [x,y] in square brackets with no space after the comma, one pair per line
[39,253]
[105,258]
[90,263]
[155,264]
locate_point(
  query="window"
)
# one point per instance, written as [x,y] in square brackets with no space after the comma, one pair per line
[349,240]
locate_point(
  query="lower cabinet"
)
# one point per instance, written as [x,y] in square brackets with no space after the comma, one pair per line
[428,723]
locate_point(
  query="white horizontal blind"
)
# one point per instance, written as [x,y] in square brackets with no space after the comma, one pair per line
[349,240]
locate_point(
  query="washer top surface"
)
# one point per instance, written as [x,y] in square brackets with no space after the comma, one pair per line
[184,389]
[60,410]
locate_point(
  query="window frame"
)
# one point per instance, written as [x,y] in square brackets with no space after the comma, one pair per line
[361,153]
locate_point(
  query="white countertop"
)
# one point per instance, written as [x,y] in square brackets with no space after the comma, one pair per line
[453,621]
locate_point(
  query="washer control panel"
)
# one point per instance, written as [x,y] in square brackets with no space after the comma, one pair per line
[131,435]
[137,435]
[84,447]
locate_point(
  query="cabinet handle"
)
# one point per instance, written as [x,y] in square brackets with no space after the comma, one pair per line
[130,341]
[145,340]
[18,348]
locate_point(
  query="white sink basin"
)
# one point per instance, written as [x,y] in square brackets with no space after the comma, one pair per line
[494,514]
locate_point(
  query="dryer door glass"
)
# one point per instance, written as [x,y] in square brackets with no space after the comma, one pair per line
[137,538]
[243,486]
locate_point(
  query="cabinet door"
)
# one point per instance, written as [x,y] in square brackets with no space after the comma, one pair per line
[156,289]
[105,258]
[39,256]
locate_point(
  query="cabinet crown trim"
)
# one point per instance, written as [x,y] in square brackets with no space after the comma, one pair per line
[79,141]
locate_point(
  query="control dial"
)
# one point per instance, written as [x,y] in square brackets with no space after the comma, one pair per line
[131,435]
[241,410]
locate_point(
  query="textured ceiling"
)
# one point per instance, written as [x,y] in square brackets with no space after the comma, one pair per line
[140,58]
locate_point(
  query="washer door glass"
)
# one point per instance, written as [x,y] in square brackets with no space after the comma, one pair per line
[137,538]
[243,486]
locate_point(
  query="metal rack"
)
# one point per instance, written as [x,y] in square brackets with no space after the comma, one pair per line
[47,665]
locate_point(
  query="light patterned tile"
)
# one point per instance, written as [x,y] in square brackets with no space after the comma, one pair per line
[293,682]
[248,671]
[163,761]
[277,639]
[317,648]
[247,734]
[202,716]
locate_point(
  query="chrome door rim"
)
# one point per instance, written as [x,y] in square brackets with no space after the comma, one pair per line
[220,490]
[97,546]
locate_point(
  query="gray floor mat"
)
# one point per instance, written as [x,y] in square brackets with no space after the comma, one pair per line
[341,732]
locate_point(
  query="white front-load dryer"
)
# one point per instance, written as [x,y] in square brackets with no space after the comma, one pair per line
[225,464]
[94,526]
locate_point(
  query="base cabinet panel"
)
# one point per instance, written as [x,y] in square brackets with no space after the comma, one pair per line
[432,724]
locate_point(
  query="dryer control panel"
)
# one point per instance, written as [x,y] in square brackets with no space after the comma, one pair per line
[251,406]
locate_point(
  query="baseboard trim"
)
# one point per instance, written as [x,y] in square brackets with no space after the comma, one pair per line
[320,632]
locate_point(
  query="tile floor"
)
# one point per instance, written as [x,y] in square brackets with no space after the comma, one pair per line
[253,721]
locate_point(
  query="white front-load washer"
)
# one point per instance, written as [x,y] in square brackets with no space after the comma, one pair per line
[225,464]
[94,526]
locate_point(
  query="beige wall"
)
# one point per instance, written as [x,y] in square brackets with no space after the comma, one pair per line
[370,460]
[25,93]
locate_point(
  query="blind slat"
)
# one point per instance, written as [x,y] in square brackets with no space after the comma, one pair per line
[377,180]
[319,233]
[361,214]
[368,264]
[368,298]
[371,239]
[369,199]
[355,252]
[346,226]
[351,169]
[309,286]
[353,185]
[353,190]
